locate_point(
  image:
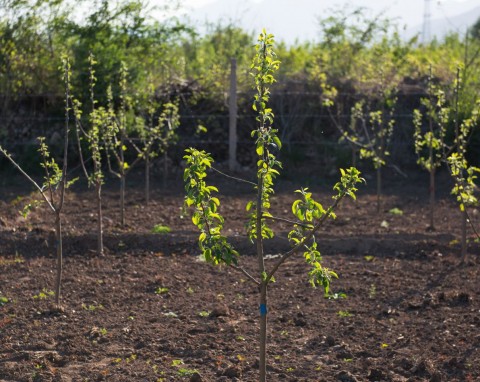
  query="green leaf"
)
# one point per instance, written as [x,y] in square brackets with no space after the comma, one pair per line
[396,211]
[264,276]
[295,206]
[177,362]
[259,150]
[161,290]
[277,141]
[195,219]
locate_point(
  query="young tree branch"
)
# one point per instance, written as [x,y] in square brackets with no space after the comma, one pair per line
[274,218]
[234,177]
[35,184]
[317,226]
[242,270]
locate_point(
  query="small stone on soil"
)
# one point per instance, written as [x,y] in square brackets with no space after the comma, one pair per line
[231,372]
[376,375]
[345,376]
[330,341]
[196,377]
[220,311]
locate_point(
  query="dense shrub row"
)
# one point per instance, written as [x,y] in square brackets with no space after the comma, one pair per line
[353,56]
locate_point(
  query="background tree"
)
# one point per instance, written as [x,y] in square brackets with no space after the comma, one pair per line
[118,127]
[94,135]
[371,129]
[475,30]
[430,141]
[118,33]
[156,131]
[55,181]
[463,173]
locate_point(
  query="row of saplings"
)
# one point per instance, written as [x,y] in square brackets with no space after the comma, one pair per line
[371,128]
[105,132]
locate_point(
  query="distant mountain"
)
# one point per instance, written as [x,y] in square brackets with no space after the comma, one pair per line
[292,20]
[441,27]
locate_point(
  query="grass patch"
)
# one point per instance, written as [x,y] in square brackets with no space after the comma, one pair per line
[161,229]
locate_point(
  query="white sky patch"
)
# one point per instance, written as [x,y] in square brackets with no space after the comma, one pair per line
[197,3]
[298,19]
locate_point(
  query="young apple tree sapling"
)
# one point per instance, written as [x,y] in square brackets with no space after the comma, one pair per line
[55,181]
[156,133]
[430,140]
[93,135]
[309,214]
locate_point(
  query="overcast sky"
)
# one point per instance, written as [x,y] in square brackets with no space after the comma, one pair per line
[297,19]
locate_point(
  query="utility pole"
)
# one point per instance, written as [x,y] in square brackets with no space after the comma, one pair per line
[426,22]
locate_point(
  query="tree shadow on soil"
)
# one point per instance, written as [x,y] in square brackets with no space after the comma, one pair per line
[40,243]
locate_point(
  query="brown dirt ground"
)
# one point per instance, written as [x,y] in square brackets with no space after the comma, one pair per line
[412,313]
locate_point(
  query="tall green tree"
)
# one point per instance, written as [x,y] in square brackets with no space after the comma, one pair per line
[122,32]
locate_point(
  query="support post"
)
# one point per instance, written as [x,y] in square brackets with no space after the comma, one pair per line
[232,106]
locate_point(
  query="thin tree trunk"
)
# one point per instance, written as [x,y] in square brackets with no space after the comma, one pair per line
[58,208]
[58,234]
[122,199]
[147,178]
[122,175]
[165,169]
[263,332]
[432,198]
[432,174]
[379,189]
[464,234]
[98,188]
[354,164]
[263,286]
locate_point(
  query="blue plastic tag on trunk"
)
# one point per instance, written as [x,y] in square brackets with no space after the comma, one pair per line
[263,310]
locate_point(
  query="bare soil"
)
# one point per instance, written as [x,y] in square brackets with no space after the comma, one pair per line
[150,310]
